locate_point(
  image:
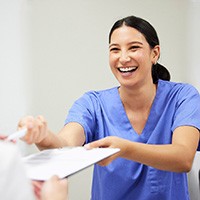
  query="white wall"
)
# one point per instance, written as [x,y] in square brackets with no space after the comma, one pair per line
[15,98]
[16,95]
[55,50]
[192,69]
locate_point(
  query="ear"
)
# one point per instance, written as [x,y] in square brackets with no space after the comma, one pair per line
[155,54]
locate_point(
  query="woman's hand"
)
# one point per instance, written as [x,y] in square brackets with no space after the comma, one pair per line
[54,189]
[36,129]
[111,142]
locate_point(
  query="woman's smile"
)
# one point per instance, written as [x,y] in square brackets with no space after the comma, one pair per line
[127,69]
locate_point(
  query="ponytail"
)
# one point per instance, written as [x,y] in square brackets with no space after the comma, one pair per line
[160,72]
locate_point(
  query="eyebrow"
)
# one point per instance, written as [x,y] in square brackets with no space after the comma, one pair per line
[134,42]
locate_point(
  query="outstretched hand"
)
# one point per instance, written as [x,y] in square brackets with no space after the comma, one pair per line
[109,142]
[36,129]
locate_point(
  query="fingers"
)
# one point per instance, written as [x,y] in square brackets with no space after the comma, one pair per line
[56,180]
[26,122]
[41,130]
[108,142]
[37,186]
[36,128]
[3,137]
[29,123]
[54,188]
[99,143]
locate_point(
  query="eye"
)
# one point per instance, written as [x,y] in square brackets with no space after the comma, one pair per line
[134,47]
[114,49]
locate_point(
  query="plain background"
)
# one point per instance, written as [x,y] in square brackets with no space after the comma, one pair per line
[52,51]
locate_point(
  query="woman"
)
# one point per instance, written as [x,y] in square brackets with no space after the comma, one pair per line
[154,122]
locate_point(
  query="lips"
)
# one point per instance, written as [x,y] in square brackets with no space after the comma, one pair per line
[127,69]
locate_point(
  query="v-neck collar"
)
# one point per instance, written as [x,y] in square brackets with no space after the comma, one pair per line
[150,123]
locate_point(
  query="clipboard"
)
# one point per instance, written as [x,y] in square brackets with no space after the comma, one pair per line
[63,162]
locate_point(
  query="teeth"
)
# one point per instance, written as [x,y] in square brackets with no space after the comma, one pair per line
[127,69]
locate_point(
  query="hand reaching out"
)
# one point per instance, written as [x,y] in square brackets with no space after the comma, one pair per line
[36,129]
[111,142]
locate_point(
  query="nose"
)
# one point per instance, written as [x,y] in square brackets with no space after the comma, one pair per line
[124,57]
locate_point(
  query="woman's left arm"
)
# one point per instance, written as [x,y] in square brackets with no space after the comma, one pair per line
[177,157]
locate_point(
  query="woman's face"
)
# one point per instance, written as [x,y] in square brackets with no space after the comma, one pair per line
[131,57]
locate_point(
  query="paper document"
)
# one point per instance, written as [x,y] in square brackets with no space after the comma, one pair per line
[63,162]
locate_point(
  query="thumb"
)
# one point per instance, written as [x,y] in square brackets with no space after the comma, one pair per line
[96,144]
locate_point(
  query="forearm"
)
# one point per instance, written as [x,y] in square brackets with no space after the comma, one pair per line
[164,157]
[71,134]
[177,156]
[51,141]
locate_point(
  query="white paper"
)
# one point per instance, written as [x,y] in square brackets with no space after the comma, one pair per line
[63,162]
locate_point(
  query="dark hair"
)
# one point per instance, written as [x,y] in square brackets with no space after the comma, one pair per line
[148,31]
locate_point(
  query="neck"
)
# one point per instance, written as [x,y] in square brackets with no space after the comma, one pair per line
[138,99]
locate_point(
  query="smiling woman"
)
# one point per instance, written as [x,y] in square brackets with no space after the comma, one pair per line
[153,121]
[145,33]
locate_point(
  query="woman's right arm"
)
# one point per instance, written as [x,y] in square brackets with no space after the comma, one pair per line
[71,134]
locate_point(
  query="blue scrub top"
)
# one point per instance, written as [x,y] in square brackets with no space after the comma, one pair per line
[101,113]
